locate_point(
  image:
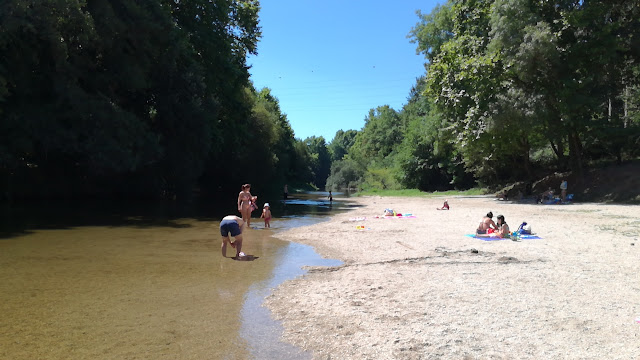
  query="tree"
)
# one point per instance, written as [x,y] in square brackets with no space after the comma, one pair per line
[382,132]
[320,160]
[514,77]
[345,174]
[341,143]
[123,96]
[433,31]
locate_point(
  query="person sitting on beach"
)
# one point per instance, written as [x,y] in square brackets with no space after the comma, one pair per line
[445,206]
[266,214]
[233,225]
[503,228]
[487,225]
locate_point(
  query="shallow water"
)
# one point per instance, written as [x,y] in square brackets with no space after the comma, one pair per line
[145,286]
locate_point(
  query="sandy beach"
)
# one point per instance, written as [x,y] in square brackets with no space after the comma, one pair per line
[417,288]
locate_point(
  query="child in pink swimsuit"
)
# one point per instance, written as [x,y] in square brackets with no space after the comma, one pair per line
[266,214]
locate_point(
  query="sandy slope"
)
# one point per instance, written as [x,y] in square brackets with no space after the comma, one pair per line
[418,289]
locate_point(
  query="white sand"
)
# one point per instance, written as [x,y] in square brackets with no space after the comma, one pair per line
[415,289]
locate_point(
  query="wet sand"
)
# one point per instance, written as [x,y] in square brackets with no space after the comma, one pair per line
[417,288]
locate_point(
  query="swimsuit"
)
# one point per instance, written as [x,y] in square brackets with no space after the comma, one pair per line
[229,226]
[245,199]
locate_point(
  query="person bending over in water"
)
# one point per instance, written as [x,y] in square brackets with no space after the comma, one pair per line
[232,224]
[486,224]
[503,228]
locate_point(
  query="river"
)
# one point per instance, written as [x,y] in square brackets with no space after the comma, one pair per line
[105,281]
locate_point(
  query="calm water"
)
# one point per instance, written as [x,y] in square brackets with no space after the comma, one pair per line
[102,281]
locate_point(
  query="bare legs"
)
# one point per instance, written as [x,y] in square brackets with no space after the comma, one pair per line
[246,215]
[237,244]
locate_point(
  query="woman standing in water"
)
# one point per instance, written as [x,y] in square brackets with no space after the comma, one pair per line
[244,203]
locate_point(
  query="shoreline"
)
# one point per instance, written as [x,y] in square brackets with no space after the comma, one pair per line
[417,288]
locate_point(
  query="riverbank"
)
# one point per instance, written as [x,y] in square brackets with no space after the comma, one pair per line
[417,288]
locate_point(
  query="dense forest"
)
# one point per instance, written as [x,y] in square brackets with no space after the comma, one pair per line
[514,90]
[153,99]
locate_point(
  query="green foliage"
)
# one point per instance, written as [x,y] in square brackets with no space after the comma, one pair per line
[382,132]
[320,160]
[102,97]
[519,76]
[433,30]
[380,178]
[152,98]
[341,144]
[345,174]
[419,193]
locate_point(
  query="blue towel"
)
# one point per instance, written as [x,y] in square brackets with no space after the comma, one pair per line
[495,238]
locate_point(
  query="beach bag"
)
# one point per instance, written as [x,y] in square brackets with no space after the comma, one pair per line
[524,228]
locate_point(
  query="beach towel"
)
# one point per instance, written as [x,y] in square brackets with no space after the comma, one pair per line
[495,238]
[397,217]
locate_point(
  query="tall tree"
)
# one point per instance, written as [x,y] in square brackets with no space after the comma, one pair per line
[341,143]
[97,95]
[320,160]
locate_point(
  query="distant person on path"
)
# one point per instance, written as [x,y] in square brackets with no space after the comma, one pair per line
[503,228]
[266,214]
[244,203]
[445,206]
[232,224]
[487,225]
[285,193]
[330,196]
[563,190]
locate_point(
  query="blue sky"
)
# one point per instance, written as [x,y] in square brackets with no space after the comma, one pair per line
[328,62]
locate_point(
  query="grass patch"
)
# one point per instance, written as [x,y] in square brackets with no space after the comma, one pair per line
[418,193]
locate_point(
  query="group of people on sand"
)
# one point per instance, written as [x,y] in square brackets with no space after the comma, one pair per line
[232,225]
[488,227]
[548,197]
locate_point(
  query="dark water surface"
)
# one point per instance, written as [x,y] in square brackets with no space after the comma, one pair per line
[107,281]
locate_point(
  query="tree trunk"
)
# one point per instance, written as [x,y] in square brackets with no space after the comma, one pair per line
[575,156]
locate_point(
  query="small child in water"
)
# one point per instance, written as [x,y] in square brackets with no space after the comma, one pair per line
[266,214]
